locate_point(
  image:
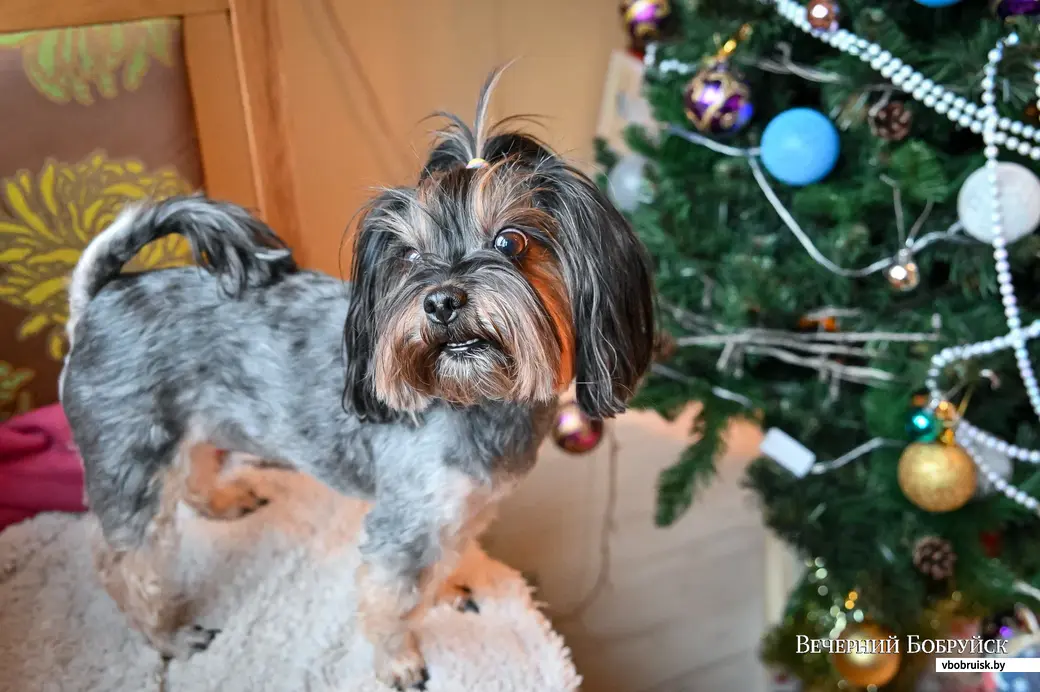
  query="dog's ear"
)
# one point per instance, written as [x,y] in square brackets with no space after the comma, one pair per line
[359,333]
[611,290]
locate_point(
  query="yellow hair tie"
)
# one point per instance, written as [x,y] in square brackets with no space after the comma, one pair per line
[476,163]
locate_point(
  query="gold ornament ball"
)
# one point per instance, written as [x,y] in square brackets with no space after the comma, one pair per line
[867,664]
[937,477]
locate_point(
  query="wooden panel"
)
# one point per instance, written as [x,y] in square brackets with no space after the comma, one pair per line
[259,53]
[220,118]
[26,15]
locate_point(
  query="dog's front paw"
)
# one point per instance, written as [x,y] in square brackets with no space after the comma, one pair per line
[405,671]
[185,643]
[459,597]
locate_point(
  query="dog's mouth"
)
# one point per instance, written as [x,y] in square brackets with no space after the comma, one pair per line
[466,347]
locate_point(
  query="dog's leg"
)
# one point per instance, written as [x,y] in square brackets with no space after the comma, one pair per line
[410,550]
[136,582]
[213,496]
[406,558]
[388,601]
[454,592]
[139,580]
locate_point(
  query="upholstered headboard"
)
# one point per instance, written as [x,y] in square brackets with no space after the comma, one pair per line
[97,113]
[94,117]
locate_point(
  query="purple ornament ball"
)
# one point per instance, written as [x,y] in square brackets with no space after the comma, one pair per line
[718,100]
[645,19]
[1017,8]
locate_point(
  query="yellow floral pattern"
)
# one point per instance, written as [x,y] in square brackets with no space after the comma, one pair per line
[72,64]
[13,398]
[46,220]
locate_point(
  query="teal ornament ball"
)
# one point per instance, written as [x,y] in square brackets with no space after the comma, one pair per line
[923,426]
[937,3]
[800,147]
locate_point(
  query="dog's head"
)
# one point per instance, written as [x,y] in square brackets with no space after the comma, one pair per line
[504,274]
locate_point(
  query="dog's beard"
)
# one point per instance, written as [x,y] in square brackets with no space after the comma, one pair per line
[505,345]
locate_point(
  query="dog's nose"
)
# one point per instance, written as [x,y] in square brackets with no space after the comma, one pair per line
[442,305]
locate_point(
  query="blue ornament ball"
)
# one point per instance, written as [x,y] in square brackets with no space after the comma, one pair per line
[800,146]
[1016,682]
[937,3]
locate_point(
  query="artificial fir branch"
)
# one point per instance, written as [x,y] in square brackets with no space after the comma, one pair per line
[678,484]
[733,279]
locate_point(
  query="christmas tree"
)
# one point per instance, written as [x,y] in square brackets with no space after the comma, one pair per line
[819,195]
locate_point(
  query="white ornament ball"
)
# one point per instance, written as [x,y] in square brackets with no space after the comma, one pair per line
[1019,191]
[1000,464]
[626,182]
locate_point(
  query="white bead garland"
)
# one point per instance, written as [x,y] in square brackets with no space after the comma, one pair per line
[967,435]
[995,133]
[957,108]
[935,96]
[995,479]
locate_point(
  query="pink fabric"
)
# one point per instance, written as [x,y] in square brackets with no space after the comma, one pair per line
[40,470]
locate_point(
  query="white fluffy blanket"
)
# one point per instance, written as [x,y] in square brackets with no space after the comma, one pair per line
[279,585]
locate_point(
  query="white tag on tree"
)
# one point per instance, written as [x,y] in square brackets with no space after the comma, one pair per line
[788,452]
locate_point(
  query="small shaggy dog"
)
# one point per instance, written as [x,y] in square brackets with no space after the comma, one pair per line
[477,297]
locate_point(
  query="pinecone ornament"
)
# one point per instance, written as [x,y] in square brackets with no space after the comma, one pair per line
[891,122]
[1032,114]
[934,557]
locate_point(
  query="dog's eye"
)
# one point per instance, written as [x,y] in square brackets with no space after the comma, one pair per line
[511,242]
[411,255]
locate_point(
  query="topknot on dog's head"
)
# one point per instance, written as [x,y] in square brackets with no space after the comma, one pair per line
[460,145]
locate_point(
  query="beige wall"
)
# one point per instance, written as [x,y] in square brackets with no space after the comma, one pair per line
[685,607]
[362,75]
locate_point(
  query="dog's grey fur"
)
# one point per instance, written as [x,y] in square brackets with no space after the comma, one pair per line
[163,354]
[253,355]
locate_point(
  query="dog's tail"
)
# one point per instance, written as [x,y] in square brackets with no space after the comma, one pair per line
[225,239]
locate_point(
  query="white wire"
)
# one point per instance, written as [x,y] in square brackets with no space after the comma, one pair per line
[792,224]
[814,252]
[853,454]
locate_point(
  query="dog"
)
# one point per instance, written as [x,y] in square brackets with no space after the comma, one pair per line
[425,384]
